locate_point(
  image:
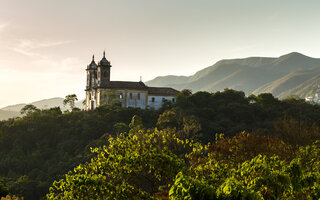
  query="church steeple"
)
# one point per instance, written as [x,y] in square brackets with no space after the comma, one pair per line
[93,64]
[92,74]
[104,62]
[104,71]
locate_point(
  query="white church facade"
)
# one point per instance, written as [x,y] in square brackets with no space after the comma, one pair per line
[100,90]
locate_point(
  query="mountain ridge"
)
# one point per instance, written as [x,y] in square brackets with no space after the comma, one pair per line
[246,74]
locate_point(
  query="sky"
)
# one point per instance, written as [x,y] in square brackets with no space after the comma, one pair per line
[45,45]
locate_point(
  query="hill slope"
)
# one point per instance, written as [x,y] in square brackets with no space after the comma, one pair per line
[14,110]
[247,74]
[302,83]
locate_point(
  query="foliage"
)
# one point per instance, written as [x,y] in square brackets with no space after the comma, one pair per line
[3,189]
[46,144]
[187,126]
[28,109]
[246,146]
[11,198]
[70,99]
[110,98]
[262,177]
[296,132]
[143,165]
[132,167]
[43,145]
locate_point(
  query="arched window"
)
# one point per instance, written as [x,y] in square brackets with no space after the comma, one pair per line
[105,74]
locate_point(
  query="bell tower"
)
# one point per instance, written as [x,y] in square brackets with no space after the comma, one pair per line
[91,85]
[104,67]
[91,74]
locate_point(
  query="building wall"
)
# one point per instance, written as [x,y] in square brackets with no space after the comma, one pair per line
[136,99]
[91,99]
[127,98]
[156,102]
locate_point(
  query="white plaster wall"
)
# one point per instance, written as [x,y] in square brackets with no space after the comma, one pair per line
[135,102]
[158,100]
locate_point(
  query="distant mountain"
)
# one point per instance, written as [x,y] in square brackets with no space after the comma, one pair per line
[250,75]
[302,83]
[14,110]
[8,114]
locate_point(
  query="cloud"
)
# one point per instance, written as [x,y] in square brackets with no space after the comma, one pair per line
[40,60]
[29,47]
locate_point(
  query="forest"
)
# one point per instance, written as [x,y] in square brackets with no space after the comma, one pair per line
[221,145]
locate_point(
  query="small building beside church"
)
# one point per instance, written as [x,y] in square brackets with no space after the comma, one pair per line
[101,90]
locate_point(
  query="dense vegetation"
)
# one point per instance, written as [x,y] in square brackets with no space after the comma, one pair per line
[157,164]
[176,152]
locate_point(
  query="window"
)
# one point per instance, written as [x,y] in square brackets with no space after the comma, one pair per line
[152,99]
[105,74]
[130,95]
[138,96]
[173,100]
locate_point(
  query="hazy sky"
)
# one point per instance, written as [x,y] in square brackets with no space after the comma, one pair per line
[45,45]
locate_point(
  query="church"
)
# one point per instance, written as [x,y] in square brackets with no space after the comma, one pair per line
[100,90]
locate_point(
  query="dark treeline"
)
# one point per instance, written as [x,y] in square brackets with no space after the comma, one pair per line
[44,145]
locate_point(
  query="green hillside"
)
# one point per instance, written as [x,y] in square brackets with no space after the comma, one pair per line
[8,114]
[302,83]
[251,74]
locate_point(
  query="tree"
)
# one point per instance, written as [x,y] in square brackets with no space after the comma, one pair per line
[8,197]
[3,189]
[136,166]
[110,98]
[27,109]
[120,127]
[70,99]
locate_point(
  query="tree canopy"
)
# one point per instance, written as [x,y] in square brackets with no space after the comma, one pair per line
[44,146]
[70,99]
